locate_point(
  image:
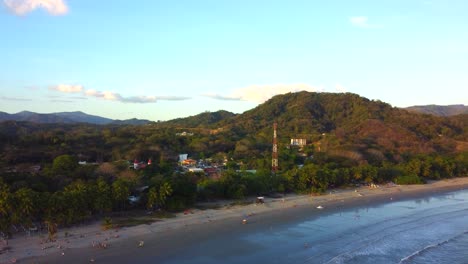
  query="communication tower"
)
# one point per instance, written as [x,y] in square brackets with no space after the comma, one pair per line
[274,160]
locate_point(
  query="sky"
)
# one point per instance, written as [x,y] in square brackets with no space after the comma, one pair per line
[160,60]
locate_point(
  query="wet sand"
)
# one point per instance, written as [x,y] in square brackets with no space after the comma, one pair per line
[169,237]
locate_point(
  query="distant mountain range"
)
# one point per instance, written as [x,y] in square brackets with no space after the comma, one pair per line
[203,119]
[68,118]
[439,110]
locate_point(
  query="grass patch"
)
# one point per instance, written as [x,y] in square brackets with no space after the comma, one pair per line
[135,220]
[408,179]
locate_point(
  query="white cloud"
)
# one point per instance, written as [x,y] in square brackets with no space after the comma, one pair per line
[61,101]
[146,99]
[14,99]
[106,95]
[79,97]
[91,92]
[261,93]
[113,96]
[138,99]
[67,88]
[173,98]
[22,7]
[221,97]
[340,88]
[362,22]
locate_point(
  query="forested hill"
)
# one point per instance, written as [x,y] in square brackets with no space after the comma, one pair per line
[350,123]
[203,120]
[312,114]
[439,110]
[344,123]
[306,112]
[339,124]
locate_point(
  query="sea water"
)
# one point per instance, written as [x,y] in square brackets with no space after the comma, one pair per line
[428,230]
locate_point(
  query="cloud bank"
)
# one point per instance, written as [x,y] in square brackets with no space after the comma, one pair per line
[362,22]
[67,88]
[14,99]
[22,7]
[261,93]
[60,101]
[112,96]
[221,97]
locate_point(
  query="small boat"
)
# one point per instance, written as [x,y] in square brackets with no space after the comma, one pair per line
[319,207]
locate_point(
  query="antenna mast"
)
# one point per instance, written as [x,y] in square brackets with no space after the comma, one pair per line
[274,160]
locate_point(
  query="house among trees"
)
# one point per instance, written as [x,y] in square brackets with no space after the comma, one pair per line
[195,170]
[189,162]
[185,161]
[184,134]
[140,165]
[300,142]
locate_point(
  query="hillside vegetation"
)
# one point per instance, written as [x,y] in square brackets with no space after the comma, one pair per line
[439,110]
[350,140]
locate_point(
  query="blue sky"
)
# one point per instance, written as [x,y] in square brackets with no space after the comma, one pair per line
[160,60]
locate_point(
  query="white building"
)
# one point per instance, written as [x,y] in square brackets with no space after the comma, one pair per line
[298,142]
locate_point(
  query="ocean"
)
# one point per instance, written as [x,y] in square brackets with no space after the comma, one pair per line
[427,230]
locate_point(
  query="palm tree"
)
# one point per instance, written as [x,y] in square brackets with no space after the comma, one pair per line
[120,191]
[4,198]
[25,203]
[5,207]
[152,198]
[165,190]
[51,229]
[103,201]
[57,205]
[77,200]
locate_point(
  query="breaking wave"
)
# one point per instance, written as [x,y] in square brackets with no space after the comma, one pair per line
[430,247]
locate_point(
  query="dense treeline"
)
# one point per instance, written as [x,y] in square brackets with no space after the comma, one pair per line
[350,139]
[66,194]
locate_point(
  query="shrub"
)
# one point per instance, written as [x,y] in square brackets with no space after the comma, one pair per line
[107,223]
[408,179]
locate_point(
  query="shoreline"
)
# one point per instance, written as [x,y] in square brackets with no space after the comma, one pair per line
[168,237]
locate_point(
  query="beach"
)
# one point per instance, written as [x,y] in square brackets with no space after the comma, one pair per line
[168,239]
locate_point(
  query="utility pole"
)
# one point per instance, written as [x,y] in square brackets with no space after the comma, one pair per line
[274,160]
